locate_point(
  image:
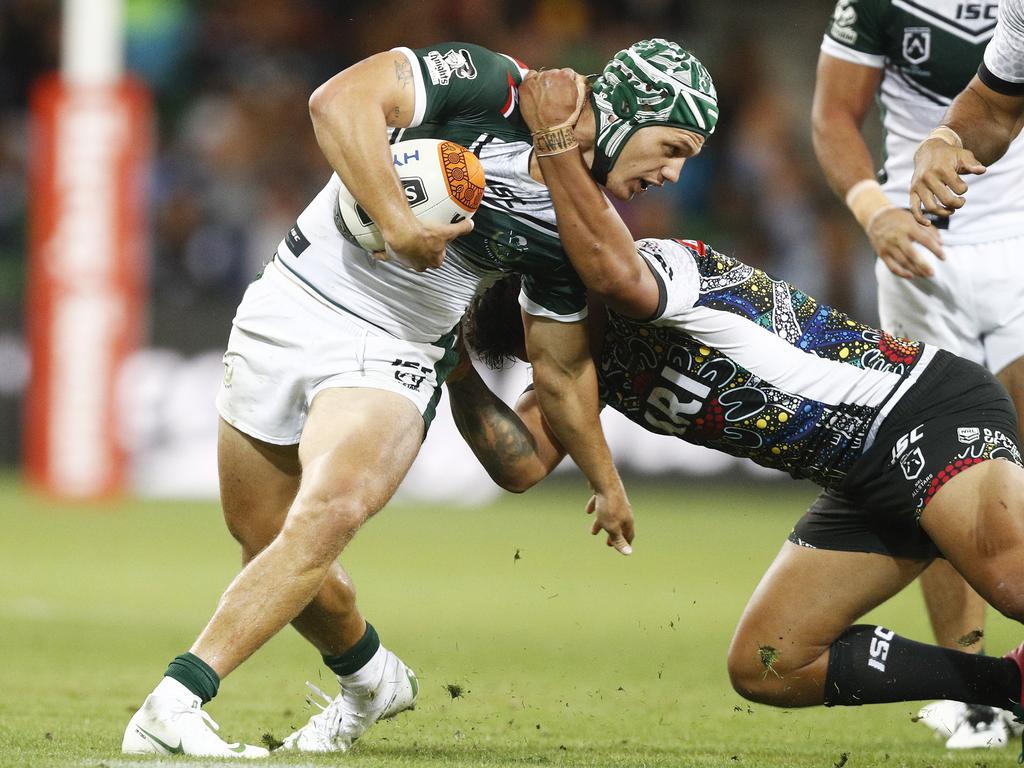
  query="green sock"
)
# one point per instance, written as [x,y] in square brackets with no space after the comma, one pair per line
[195,674]
[355,658]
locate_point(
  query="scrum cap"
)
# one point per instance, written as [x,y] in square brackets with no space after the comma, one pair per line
[653,82]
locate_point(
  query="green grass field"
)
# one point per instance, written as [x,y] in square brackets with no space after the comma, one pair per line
[566,653]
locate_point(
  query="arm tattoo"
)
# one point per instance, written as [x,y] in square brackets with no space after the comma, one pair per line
[403,73]
[492,430]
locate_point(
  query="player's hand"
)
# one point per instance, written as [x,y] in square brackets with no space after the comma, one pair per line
[421,245]
[552,98]
[614,516]
[937,186]
[893,232]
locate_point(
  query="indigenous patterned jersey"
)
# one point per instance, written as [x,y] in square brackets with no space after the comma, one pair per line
[929,52]
[752,366]
[469,95]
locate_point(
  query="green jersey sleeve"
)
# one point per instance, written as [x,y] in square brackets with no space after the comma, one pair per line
[557,293]
[856,32]
[462,80]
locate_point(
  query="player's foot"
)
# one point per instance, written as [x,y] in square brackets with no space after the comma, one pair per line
[943,717]
[348,716]
[176,724]
[981,728]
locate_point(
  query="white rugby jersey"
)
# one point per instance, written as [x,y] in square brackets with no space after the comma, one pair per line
[929,52]
[467,94]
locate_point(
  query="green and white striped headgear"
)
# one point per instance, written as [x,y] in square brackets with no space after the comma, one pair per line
[653,82]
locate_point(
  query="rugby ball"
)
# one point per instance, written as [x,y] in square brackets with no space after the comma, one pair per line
[443,184]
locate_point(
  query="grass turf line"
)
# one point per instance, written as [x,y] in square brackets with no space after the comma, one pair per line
[567,655]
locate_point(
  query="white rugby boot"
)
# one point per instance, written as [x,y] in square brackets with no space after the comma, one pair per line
[349,715]
[172,722]
[981,728]
[943,717]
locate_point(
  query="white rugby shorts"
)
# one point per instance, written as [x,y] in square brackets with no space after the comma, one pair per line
[973,306]
[287,345]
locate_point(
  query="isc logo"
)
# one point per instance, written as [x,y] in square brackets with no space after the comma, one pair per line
[880,648]
[415,194]
[906,441]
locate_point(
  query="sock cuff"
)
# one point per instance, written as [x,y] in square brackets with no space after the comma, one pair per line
[195,674]
[356,657]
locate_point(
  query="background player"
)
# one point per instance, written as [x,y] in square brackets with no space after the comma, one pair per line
[980,127]
[336,359]
[955,284]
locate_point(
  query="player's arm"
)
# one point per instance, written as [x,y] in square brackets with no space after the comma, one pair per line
[843,94]
[976,131]
[598,243]
[565,382]
[516,447]
[351,113]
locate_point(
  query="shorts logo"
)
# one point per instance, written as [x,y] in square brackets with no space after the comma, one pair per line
[917,44]
[912,464]
[409,374]
[905,442]
[967,435]
[441,66]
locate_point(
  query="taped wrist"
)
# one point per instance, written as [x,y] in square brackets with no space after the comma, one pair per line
[866,200]
[946,134]
[554,141]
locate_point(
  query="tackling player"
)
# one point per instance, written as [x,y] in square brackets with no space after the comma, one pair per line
[955,283]
[336,358]
[915,449]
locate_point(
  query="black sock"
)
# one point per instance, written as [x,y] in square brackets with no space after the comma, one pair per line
[195,674]
[355,658]
[871,665]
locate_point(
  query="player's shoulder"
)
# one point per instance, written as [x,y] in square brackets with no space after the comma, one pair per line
[857,24]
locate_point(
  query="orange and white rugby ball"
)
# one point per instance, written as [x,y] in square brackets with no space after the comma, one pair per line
[443,183]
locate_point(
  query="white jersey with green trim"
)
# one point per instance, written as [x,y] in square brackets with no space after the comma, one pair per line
[467,94]
[929,52]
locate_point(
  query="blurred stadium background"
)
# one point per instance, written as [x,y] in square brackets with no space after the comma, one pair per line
[566,654]
[235,160]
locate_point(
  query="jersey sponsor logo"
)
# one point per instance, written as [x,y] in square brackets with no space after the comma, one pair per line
[410,375]
[972,11]
[671,406]
[443,66]
[879,650]
[967,435]
[844,17]
[917,44]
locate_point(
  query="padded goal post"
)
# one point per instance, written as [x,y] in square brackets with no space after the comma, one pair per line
[88,241]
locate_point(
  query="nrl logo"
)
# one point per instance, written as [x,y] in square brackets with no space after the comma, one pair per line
[917,44]
[967,435]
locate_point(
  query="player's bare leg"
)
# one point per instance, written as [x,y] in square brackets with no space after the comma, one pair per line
[356,447]
[791,648]
[806,599]
[258,483]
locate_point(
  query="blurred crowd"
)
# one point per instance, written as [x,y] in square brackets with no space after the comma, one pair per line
[237,159]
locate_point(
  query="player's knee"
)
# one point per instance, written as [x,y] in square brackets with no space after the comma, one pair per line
[254,535]
[324,524]
[747,672]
